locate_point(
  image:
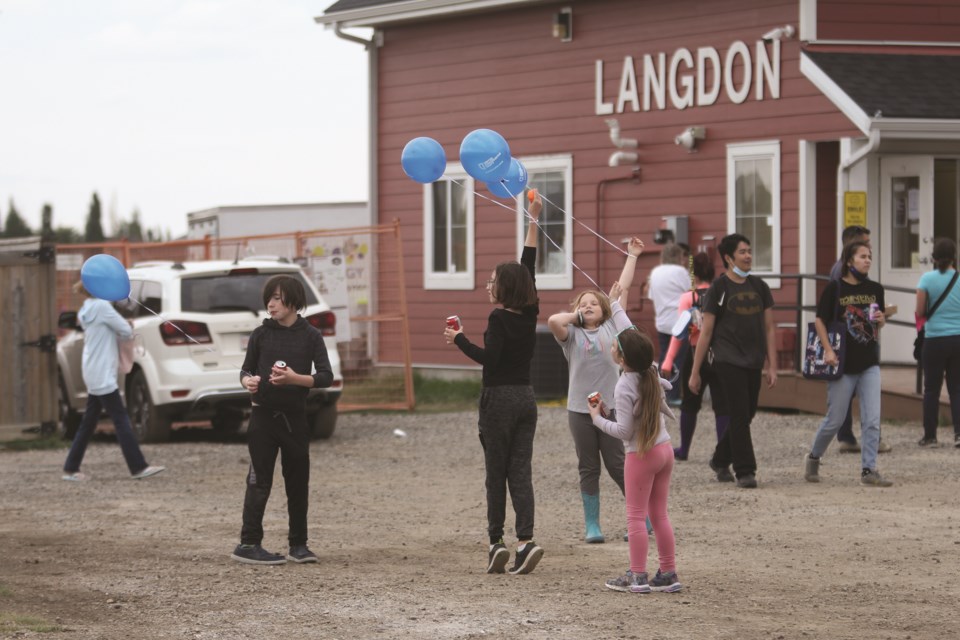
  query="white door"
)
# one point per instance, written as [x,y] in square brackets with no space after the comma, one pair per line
[905,243]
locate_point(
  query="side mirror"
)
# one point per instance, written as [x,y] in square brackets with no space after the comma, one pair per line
[68,320]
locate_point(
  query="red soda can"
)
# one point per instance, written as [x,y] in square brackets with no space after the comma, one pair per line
[594,398]
[280,364]
[454,322]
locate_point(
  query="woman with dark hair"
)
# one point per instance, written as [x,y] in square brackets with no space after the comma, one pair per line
[692,301]
[941,346]
[858,303]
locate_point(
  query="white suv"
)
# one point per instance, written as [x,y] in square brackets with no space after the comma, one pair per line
[218,303]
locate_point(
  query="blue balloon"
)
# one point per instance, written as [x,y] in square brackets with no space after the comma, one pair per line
[513,183]
[423,160]
[105,277]
[485,155]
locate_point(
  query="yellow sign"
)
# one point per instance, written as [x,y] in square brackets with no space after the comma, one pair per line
[854,208]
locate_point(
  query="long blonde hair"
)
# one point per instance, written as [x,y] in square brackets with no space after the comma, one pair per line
[636,349]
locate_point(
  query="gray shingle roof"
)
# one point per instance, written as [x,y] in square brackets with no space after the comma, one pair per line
[347,5]
[897,86]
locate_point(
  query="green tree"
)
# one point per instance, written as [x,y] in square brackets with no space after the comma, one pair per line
[66,235]
[132,230]
[94,230]
[16,227]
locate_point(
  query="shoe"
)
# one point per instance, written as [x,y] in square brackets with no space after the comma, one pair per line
[526,559]
[811,468]
[723,473]
[76,476]
[629,582]
[146,473]
[665,582]
[255,554]
[748,481]
[930,443]
[883,447]
[872,478]
[301,554]
[499,557]
[956,441]
[849,447]
[678,454]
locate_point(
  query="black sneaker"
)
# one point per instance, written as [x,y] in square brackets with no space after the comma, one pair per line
[930,443]
[526,559]
[301,555]
[255,554]
[747,481]
[723,473]
[499,557]
[665,582]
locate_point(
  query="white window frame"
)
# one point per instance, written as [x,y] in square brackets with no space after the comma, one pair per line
[449,280]
[761,150]
[562,163]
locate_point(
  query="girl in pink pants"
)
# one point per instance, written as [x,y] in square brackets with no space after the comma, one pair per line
[640,409]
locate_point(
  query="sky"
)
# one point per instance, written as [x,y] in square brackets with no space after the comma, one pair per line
[173,106]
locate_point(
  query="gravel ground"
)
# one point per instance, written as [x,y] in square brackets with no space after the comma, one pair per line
[399,525]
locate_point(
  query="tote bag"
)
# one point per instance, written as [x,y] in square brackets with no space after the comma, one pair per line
[814,368]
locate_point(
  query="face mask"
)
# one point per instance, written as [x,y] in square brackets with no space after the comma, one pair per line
[856,274]
[740,272]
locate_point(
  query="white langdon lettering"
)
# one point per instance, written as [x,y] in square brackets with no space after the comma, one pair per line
[693,81]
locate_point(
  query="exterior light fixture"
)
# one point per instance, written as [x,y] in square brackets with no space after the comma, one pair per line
[780,33]
[688,138]
[563,24]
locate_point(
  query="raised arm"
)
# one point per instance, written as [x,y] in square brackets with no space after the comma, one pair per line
[536,206]
[634,250]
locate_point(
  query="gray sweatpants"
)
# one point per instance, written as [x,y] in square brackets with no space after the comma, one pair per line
[592,444]
[508,422]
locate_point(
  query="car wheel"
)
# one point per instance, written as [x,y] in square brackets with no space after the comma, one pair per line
[149,424]
[69,419]
[324,421]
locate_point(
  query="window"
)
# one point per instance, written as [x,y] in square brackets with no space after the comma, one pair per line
[753,201]
[448,231]
[553,177]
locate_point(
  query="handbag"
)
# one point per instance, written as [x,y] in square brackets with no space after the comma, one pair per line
[922,320]
[814,367]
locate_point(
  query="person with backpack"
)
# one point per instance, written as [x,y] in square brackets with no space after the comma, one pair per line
[738,331]
[692,301]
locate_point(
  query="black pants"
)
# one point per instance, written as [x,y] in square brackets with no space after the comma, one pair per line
[269,432]
[708,378]
[940,360]
[741,391]
[508,422]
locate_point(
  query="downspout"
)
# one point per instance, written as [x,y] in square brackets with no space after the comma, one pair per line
[843,170]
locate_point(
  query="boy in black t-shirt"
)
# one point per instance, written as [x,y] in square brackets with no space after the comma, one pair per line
[738,331]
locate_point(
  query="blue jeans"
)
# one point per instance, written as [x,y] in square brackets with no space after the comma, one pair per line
[866,386]
[121,423]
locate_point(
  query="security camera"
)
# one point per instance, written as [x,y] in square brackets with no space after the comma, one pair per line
[688,138]
[779,33]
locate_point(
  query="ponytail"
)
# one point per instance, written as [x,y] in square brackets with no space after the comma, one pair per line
[648,410]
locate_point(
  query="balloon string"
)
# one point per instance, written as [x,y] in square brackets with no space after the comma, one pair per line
[572,217]
[185,334]
[539,226]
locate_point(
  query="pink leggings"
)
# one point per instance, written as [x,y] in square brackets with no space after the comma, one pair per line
[647,481]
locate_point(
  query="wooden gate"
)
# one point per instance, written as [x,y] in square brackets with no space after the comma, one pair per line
[28,320]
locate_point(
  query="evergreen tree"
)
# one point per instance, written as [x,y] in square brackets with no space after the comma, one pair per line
[46,222]
[16,227]
[94,230]
[132,230]
[67,235]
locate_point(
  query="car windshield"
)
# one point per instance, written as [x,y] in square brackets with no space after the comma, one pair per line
[232,292]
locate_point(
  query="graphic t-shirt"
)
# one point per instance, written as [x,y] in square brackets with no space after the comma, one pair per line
[852,307]
[739,333]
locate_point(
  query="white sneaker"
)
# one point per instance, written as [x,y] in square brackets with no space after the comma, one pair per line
[76,476]
[149,471]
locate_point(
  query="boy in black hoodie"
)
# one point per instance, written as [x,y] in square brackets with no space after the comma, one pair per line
[283,349]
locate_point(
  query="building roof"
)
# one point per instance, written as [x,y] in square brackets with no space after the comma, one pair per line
[374,13]
[896,86]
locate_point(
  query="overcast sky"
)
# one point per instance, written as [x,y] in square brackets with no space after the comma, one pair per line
[172,106]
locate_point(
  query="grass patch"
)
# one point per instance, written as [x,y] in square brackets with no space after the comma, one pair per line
[15,623]
[435,394]
[34,444]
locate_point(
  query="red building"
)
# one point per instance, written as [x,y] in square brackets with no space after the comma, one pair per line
[784,120]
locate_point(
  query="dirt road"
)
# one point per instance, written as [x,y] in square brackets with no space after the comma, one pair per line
[399,525]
